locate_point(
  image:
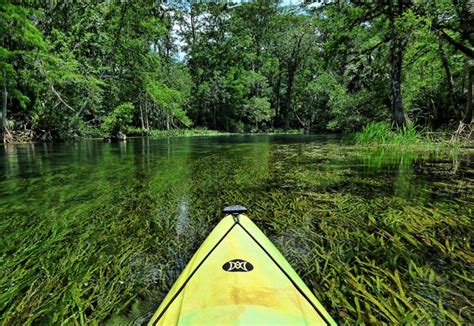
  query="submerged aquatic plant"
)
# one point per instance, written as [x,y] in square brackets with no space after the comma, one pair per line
[96,233]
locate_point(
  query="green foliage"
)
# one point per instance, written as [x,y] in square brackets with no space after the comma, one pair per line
[258,109]
[253,67]
[169,100]
[20,42]
[118,120]
[156,134]
[70,74]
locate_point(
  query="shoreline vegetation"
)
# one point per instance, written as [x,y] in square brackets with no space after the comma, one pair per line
[157,134]
[373,135]
[192,132]
[70,69]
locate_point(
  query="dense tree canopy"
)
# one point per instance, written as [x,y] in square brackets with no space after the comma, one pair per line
[325,65]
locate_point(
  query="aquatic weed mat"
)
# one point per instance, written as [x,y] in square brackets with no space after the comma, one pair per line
[380,237]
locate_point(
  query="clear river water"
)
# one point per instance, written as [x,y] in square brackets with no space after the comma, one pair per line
[98,232]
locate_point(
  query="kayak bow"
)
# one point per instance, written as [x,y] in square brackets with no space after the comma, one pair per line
[238,277]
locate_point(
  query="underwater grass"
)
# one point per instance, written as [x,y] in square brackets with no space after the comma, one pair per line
[100,235]
[379,261]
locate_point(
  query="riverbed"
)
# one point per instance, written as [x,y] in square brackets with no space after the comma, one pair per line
[98,232]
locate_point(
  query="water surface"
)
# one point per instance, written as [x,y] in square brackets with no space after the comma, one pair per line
[93,231]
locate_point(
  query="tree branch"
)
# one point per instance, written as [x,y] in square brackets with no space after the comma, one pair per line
[457,45]
[78,114]
[368,50]
[61,99]
[367,17]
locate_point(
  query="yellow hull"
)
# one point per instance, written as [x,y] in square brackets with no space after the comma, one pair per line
[238,277]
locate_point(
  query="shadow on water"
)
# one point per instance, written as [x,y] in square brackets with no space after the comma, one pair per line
[99,232]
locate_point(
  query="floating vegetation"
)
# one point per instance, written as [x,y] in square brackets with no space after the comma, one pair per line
[98,232]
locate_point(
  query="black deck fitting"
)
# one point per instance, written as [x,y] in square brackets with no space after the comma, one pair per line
[234,210]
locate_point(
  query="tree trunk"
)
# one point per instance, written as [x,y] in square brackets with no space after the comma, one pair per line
[118,35]
[467,119]
[77,115]
[276,96]
[290,77]
[449,82]
[141,117]
[147,125]
[4,105]
[465,128]
[399,115]
[287,108]
[214,117]
[396,61]
[193,27]
[5,132]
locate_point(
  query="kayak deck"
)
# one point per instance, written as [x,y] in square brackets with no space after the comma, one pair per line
[238,277]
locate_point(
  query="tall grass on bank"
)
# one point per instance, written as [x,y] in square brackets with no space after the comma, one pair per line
[382,133]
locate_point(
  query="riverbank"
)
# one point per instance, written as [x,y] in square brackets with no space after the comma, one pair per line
[152,133]
[373,135]
[192,132]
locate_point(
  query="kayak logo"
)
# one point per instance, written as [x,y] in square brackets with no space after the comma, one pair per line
[237,265]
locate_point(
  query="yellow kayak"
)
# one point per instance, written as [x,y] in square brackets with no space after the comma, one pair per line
[238,277]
